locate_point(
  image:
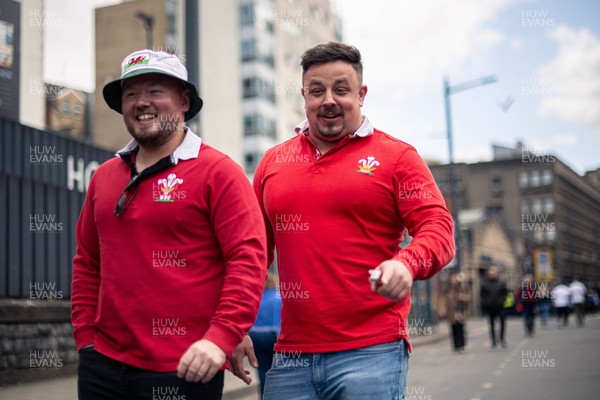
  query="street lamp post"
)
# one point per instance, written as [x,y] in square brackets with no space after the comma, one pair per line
[148,21]
[448,91]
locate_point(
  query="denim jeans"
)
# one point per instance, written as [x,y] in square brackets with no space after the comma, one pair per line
[102,378]
[374,372]
[544,312]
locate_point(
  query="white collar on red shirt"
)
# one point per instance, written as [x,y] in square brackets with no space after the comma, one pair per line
[187,150]
[365,129]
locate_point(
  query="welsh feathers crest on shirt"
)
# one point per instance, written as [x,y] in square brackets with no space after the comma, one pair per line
[168,189]
[368,165]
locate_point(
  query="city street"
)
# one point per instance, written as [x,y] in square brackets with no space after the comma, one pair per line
[555,364]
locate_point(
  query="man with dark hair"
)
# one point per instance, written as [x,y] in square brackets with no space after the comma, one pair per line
[170,262]
[493,293]
[333,51]
[336,211]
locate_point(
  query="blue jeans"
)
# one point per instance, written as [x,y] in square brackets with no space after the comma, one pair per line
[102,378]
[544,312]
[374,372]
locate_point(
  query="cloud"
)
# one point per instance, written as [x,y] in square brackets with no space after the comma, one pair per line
[69,42]
[565,139]
[408,43]
[574,77]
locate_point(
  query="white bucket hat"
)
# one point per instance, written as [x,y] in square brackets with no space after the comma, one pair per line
[151,62]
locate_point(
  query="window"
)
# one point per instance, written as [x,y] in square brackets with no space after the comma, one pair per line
[270,26]
[546,177]
[248,124]
[258,125]
[535,178]
[549,206]
[66,107]
[77,109]
[524,207]
[551,235]
[255,87]
[523,179]
[318,14]
[248,88]
[247,14]
[171,12]
[257,51]
[496,186]
[248,50]
[171,24]
[251,161]
[536,206]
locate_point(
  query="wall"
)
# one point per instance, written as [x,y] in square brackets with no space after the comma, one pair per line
[43,183]
[37,341]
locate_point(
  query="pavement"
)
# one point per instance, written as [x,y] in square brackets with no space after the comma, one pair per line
[557,363]
[66,388]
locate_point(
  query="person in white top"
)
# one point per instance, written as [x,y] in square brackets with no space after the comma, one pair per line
[578,292]
[561,302]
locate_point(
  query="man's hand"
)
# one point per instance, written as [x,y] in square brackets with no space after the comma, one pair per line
[236,361]
[201,361]
[395,281]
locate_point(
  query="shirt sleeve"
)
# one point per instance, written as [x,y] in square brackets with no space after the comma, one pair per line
[239,229]
[424,213]
[86,274]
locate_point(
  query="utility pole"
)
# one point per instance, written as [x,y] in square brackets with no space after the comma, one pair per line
[448,91]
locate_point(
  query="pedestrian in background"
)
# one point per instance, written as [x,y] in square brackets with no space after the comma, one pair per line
[453,305]
[578,292]
[592,301]
[561,296]
[493,295]
[527,297]
[545,303]
[266,329]
[170,262]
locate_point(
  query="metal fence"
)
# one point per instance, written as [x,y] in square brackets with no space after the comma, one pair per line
[43,182]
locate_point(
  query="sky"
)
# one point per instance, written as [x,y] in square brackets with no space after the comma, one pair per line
[544,54]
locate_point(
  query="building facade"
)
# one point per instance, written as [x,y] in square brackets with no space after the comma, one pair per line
[554,210]
[488,241]
[248,65]
[67,111]
[119,30]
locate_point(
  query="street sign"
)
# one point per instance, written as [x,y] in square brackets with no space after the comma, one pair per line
[542,263]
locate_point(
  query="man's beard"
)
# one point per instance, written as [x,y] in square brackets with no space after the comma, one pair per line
[329,130]
[155,138]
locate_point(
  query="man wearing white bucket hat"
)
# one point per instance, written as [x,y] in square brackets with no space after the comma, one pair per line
[170,262]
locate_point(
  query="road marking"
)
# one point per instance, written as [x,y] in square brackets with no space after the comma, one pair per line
[488,385]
